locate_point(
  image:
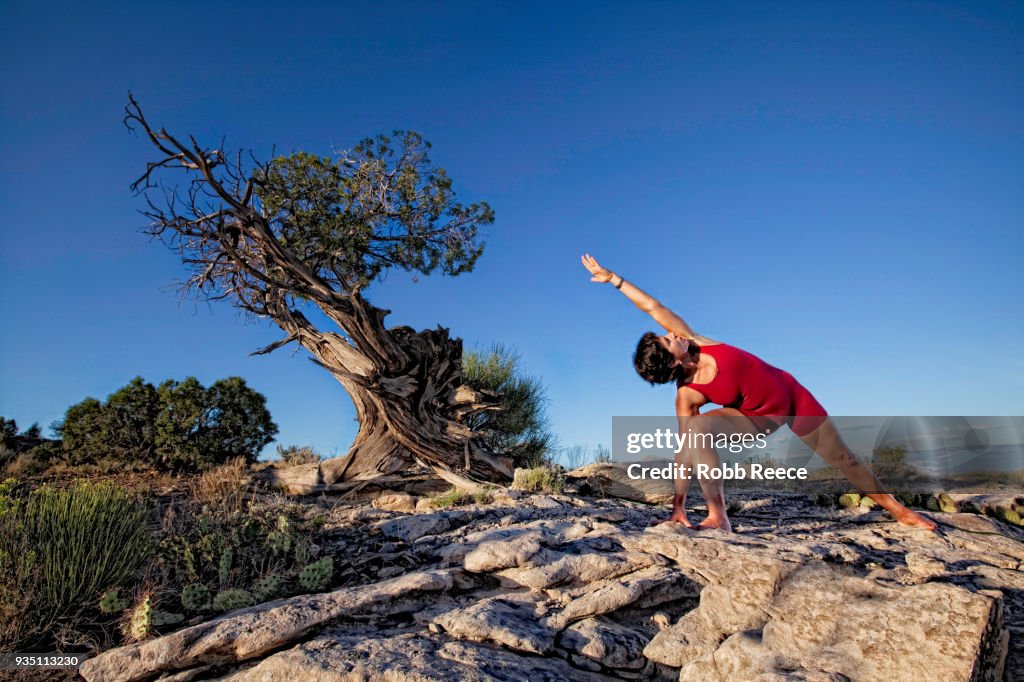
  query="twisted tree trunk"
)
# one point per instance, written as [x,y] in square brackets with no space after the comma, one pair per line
[408,394]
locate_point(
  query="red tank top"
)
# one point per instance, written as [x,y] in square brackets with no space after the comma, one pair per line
[752,386]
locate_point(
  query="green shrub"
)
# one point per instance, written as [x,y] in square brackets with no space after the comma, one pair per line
[7,455]
[198,428]
[317,575]
[60,550]
[8,430]
[519,430]
[179,426]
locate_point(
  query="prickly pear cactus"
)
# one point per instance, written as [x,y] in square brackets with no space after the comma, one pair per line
[224,567]
[317,575]
[112,602]
[229,600]
[280,540]
[140,624]
[269,587]
[195,597]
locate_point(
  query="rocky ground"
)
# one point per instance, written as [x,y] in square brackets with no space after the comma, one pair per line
[558,587]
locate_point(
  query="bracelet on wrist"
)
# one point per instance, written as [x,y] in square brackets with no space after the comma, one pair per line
[622,281]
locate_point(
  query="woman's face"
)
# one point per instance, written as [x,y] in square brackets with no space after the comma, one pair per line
[678,347]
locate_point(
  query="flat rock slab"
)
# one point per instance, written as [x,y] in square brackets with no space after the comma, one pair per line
[819,621]
[406,657]
[511,621]
[250,633]
[606,643]
[412,528]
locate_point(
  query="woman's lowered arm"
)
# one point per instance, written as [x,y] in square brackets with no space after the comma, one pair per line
[647,303]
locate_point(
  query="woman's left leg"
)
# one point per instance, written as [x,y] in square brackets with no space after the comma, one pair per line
[826,441]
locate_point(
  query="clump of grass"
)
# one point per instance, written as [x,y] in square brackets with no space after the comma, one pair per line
[540,479]
[60,550]
[455,497]
[23,466]
[223,487]
[294,455]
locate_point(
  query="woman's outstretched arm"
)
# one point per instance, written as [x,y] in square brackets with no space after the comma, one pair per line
[645,302]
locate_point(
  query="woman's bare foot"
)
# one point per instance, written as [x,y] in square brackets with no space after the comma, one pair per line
[720,523]
[676,517]
[912,518]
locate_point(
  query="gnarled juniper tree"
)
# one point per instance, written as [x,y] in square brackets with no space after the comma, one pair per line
[272,237]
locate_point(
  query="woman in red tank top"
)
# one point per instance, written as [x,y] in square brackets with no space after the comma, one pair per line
[755,398]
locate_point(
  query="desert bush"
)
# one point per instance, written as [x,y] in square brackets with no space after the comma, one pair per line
[60,550]
[198,428]
[178,426]
[520,429]
[890,461]
[452,497]
[293,455]
[542,479]
[83,432]
[14,444]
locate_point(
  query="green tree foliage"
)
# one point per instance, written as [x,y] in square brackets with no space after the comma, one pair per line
[8,430]
[129,416]
[520,429]
[10,438]
[198,427]
[179,426]
[351,218]
[84,432]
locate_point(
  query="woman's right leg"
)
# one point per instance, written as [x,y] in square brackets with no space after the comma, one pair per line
[826,441]
[722,421]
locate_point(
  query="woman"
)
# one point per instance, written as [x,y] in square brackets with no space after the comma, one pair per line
[755,398]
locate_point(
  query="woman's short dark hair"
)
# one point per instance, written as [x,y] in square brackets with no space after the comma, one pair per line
[653,362]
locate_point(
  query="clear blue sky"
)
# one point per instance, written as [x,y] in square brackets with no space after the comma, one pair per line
[837,187]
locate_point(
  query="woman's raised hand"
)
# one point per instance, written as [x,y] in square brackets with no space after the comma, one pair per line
[599,274]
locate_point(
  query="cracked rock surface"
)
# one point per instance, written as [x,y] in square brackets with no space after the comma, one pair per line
[553,587]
